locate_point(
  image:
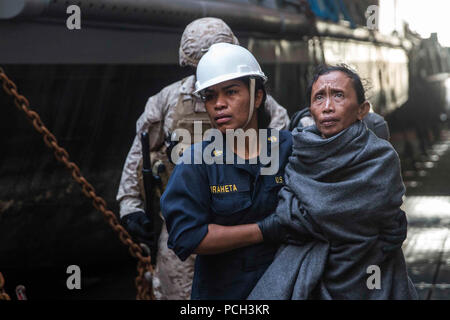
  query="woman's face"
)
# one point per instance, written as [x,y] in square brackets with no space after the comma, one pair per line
[228,105]
[334,103]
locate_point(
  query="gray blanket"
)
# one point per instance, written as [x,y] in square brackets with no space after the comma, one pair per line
[341,194]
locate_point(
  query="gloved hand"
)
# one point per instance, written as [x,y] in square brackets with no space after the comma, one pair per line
[272,230]
[138,225]
[396,235]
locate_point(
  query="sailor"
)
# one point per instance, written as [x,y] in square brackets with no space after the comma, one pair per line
[211,209]
[175,106]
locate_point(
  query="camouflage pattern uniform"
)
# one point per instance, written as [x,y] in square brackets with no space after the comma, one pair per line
[173,107]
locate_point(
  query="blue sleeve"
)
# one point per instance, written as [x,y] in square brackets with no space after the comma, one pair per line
[185,206]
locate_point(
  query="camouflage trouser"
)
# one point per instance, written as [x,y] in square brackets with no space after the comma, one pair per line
[173,277]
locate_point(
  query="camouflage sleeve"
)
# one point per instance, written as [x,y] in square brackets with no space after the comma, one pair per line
[129,192]
[152,120]
[307,121]
[278,115]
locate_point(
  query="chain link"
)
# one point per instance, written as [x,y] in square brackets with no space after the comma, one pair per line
[144,288]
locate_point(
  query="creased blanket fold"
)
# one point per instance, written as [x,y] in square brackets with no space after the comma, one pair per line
[341,194]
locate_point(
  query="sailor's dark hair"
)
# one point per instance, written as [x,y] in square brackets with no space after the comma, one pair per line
[326,69]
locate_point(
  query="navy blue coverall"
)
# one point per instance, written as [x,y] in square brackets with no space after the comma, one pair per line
[224,194]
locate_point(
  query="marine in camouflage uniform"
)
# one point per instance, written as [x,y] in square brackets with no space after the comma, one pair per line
[175,106]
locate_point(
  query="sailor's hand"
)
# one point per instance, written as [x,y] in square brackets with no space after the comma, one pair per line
[138,225]
[272,230]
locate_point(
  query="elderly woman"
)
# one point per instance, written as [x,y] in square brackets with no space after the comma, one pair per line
[340,208]
[211,209]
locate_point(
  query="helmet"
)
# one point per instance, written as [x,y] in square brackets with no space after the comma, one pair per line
[199,35]
[223,62]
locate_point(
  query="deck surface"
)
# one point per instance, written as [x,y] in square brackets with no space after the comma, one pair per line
[427,205]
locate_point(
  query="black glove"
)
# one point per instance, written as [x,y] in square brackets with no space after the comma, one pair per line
[395,236]
[272,230]
[138,225]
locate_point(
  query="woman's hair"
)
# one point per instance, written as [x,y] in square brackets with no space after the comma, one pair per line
[326,69]
[263,115]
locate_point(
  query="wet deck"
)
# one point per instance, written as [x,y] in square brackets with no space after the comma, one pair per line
[427,204]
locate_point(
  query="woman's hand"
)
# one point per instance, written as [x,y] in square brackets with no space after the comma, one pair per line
[225,238]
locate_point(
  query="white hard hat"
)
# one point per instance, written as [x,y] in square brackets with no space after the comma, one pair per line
[223,62]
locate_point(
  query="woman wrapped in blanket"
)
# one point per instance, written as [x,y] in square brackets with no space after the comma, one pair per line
[339,211]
